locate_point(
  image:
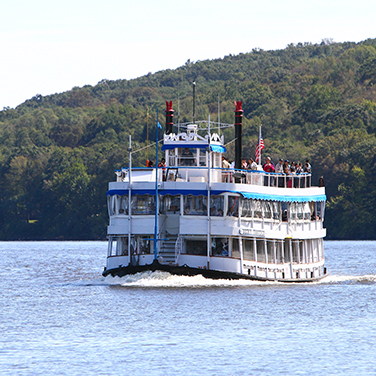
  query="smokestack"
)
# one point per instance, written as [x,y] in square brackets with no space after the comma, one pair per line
[238,134]
[169,117]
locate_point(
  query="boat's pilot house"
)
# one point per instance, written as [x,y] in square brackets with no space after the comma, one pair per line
[191,157]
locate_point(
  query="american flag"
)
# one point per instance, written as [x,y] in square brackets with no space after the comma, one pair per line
[259,147]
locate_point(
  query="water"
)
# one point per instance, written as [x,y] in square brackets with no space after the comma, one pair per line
[60,317]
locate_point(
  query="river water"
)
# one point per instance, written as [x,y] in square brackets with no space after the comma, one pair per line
[59,316]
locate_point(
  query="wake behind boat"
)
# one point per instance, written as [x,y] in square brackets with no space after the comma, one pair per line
[194,217]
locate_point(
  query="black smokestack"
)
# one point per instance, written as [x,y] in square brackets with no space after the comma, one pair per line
[238,133]
[169,117]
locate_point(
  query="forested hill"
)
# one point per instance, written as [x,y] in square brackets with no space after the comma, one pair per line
[58,152]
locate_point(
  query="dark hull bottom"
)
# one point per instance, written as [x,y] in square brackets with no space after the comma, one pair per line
[188,271]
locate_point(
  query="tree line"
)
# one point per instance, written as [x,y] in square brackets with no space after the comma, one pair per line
[315,101]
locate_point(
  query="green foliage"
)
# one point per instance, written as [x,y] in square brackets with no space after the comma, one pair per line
[58,152]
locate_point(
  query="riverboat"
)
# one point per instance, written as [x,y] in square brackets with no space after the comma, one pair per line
[193,217]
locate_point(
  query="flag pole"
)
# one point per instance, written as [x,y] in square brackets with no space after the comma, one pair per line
[147,138]
[259,146]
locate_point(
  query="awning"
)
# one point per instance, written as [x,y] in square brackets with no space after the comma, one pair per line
[183,146]
[217,148]
[204,192]
[284,198]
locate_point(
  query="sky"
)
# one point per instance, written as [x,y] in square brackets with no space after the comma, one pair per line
[51,46]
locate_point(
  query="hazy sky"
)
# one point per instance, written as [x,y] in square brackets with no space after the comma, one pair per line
[50,46]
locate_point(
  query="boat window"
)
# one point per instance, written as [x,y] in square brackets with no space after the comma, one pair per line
[188,157]
[195,205]
[248,250]
[171,158]
[300,211]
[202,157]
[235,248]
[279,252]
[307,211]
[196,247]
[247,208]
[123,207]
[295,252]
[233,206]
[260,250]
[170,204]
[292,211]
[219,246]
[320,210]
[270,251]
[111,205]
[267,209]
[258,209]
[118,246]
[217,160]
[143,205]
[144,245]
[287,250]
[276,208]
[216,206]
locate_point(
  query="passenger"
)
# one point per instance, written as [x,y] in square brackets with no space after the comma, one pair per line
[151,164]
[286,164]
[299,168]
[226,176]
[187,158]
[307,167]
[244,165]
[213,211]
[279,170]
[284,216]
[252,165]
[286,171]
[225,163]
[279,166]
[231,212]
[268,166]
[162,164]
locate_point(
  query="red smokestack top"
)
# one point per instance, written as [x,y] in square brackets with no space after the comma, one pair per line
[169,117]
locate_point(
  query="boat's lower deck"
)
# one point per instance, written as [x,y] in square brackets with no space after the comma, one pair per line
[219,257]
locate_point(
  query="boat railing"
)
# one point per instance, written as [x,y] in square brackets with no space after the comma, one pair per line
[223,175]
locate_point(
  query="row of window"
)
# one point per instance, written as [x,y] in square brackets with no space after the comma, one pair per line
[260,250]
[220,205]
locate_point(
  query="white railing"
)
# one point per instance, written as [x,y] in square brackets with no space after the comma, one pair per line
[200,174]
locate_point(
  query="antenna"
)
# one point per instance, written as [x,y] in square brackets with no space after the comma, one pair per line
[194,102]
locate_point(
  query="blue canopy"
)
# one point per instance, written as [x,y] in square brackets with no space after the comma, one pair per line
[284,198]
[217,148]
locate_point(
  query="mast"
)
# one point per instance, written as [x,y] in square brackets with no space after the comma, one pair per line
[194,102]
[147,137]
